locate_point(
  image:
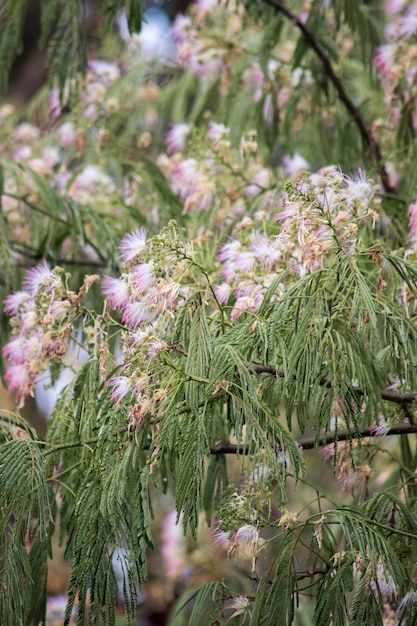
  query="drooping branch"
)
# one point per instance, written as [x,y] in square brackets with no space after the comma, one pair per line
[358,119]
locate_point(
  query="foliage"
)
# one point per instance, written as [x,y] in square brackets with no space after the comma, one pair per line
[203,236]
[63,33]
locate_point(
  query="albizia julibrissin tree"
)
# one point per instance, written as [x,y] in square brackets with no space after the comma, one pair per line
[245,284]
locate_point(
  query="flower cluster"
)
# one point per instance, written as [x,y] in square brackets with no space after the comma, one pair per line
[239,528]
[42,320]
[147,295]
[396,60]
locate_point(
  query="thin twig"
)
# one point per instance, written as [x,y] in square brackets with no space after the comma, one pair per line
[361,123]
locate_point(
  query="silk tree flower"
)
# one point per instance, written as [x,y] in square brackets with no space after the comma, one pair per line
[105,71]
[132,245]
[244,541]
[181,27]
[17,302]
[116,290]
[240,605]
[176,137]
[143,276]
[383,582]
[121,385]
[220,537]
[43,315]
[222,292]
[66,134]
[217,132]
[134,313]
[234,259]
[41,276]
[91,180]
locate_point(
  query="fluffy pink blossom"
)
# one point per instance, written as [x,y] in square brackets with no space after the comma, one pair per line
[104,70]
[242,304]
[19,380]
[66,134]
[384,582]
[135,313]
[176,137]
[220,537]
[143,276]
[217,132]
[41,276]
[408,24]
[17,302]
[222,292]
[235,260]
[384,59]
[266,251]
[116,290]
[133,244]
[173,547]
[121,385]
[16,350]
[181,27]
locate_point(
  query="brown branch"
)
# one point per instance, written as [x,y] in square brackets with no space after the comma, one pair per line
[361,123]
[225,447]
[309,443]
[404,399]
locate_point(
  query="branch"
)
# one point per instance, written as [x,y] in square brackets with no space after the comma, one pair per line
[225,447]
[309,443]
[404,399]
[363,126]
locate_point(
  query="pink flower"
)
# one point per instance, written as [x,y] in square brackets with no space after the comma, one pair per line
[266,251]
[16,350]
[173,547]
[242,304]
[121,387]
[222,292]
[133,244]
[248,534]
[66,134]
[116,291]
[220,537]
[135,313]
[165,295]
[41,276]
[384,60]
[19,380]
[217,132]
[176,137]
[384,582]
[408,25]
[235,260]
[17,302]
[143,276]
[107,72]
[181,27]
